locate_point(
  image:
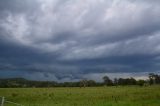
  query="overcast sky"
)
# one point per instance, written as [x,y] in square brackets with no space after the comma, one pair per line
[68,40]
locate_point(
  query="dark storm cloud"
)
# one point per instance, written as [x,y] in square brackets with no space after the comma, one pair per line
[69,40]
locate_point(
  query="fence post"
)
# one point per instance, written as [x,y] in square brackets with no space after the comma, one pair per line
[2,104]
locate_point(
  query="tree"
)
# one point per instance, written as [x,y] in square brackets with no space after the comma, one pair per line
[83,83]
[91,83]
[132,81]
[157,79]
[151,78]
[115,81]
[140,82]
[154,78]
[107,81]
[127,81]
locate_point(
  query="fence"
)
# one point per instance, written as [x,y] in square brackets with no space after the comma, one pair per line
[4,100]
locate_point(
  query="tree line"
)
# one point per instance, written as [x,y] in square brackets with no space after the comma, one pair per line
[24,83]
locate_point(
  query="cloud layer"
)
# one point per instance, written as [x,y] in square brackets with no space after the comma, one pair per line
[67,40]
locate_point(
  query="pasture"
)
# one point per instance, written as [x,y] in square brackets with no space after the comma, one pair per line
[93,96]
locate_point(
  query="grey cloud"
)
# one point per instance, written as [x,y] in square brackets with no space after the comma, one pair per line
[18,6]
[69,39]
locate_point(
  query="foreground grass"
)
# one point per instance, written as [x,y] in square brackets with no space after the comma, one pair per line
[96,96]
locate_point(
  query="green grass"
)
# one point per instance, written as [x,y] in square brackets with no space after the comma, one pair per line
[96,96]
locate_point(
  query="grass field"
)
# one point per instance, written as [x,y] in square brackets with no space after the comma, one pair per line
[96,96]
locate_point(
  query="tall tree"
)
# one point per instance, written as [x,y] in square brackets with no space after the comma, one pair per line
[151,78]
[107,81]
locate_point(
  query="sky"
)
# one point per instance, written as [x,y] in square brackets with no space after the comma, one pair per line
[69,40]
